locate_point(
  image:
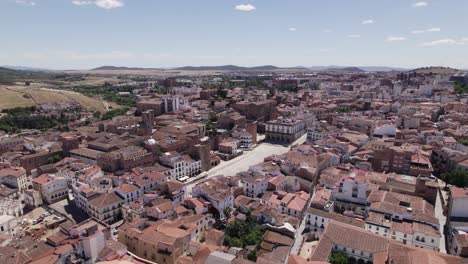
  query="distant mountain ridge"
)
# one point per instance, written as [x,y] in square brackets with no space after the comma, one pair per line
[254,68]
[347,69]
[121,68]
[24,68]
[228,68]
[258,68]
[437,70]
[365,68]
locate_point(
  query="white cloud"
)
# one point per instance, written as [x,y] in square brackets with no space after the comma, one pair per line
[293,29]
[420,4]
[82,3]
[109,4]
[25,2]
[446,42]
[435,29]
[106,4]
[354,36]
[327,30]
[368,21]
[393,39]
[245,7]
[418,31]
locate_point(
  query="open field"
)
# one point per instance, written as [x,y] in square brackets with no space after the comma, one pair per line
[22,96]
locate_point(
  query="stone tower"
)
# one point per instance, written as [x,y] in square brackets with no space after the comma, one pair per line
[148,121]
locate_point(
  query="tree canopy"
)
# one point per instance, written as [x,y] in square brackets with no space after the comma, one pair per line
[458,178]
[338,258]
[240,234]
[461,88]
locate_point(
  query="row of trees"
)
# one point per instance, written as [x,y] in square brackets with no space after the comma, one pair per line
[109,93]
[23,118]
[114,112]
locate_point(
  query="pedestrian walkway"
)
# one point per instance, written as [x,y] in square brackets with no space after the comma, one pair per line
[439,214]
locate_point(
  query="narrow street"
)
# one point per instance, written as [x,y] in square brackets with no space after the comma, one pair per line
[439,214]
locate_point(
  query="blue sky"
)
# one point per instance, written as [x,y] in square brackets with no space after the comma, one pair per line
[81,34]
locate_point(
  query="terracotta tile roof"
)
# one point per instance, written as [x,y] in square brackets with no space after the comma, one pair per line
[456,192]
[12,171]
[128,188]
[173,185]
[277,239]
[337,217]
[350,237]
[295,259]
[43,179]
[402,254]
[105,200]
[9,255]
[46,260]
[214,234]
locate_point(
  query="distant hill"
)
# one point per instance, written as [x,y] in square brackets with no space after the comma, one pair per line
[436,70]
[198,68]
[347,69]
[228,68]
[257,68]
[24,68]
[365,68]
[382,69]
[121,68]
[9,76]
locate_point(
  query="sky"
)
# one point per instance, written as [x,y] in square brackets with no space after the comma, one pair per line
[83,34]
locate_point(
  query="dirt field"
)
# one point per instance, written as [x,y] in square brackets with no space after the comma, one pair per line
[21,96]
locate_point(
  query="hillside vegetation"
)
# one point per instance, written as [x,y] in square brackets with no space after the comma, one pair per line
[22,96]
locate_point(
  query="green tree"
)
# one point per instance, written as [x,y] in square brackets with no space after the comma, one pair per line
[54,159]
[460,88]
[343,109]
[222,93]
[458,178]
[227,211]
[338,258]
[252,256]
[114,112]
[240,234]
[463,141]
